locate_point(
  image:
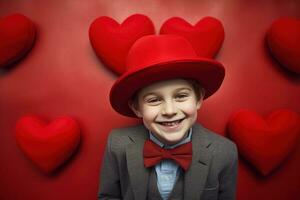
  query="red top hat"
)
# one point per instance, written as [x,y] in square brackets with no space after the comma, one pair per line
[155,58]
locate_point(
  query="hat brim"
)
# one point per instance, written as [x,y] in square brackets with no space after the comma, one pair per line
[209,73]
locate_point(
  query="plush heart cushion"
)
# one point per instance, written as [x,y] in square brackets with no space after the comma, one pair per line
[47,145]
[283,39]
[17,36]
[265,142]
[206,36]
[112,41]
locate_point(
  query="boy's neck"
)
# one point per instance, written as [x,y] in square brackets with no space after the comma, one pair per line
[187,138]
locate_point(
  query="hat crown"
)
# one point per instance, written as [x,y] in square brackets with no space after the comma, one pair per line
[153,49]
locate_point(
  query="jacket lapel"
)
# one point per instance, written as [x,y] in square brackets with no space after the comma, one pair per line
[195,177]
[138,174]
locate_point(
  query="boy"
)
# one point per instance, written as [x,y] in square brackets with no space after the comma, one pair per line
[169,156]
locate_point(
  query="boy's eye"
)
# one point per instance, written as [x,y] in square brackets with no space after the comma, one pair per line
[181,97]
[153,101]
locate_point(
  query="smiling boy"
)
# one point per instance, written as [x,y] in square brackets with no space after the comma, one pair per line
[168,109]
[169,156]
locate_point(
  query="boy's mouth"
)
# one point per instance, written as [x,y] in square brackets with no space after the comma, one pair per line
[171,123]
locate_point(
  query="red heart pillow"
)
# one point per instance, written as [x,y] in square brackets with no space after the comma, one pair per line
[265,142]
[17,35]
[112,41]
[206,36]
[47,145]
[283,38]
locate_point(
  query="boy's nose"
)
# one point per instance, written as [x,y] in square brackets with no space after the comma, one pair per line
[169,108]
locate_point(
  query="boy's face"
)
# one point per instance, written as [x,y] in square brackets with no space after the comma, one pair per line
[168,109]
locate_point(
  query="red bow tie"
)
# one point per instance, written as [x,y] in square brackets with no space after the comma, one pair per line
[153,154]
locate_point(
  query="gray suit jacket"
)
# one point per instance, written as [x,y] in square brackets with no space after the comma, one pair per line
[211,176]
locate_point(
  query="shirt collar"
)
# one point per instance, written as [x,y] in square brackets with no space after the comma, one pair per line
[162,145]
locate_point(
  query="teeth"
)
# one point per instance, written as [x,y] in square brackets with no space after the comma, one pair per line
[170,123]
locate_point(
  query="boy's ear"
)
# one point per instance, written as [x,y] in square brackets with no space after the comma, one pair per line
[199,102]
[134,108]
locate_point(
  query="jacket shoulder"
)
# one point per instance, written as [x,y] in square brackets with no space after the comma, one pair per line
[132,131]
[218,144]
[121,137]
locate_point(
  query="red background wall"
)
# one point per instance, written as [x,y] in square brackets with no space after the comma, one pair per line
[62,76]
